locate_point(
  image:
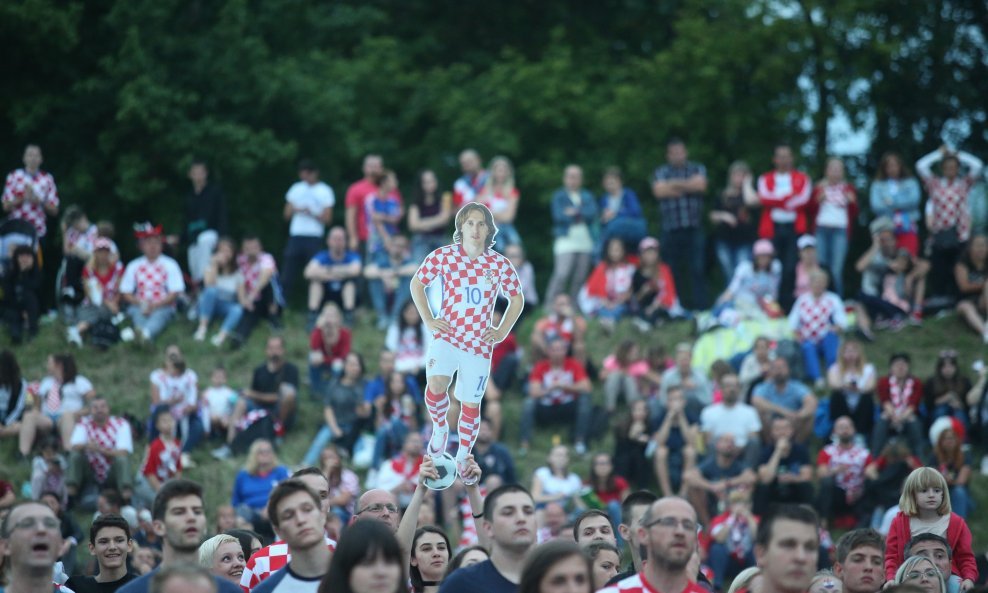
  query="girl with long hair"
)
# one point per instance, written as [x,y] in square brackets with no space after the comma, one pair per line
[950,459]
[223,293]
[895,195]
[609,487]
[429,558]
[368,559]
[971,276]
[428,215]
[852,380]
[556,565]
[60,400]
[501,196]
[944,393]
[735,219]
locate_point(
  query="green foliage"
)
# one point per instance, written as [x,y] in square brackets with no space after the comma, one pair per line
[122,95]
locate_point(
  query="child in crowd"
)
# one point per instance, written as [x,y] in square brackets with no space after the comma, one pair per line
[48,470]
[163,460]
[924,507]
[22,295]
[220,399]
[78,245]
[384,212]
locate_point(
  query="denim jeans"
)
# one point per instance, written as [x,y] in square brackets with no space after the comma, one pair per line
[389,438]
[423,245]
[812,351]
[211,304]
[629,230]
[831,247]
[153,323]
[724,565]
[960,501]
[322,438]
[730,257]
[506,235]
[684,251]
[379,298]
[787,254]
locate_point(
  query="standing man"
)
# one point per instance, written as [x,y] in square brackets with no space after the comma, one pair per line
[509,523]
[298,516]
[101,445]
[785,194]
[205,220]
[786,549]
[466,188]
[110,543]
[30,193]
[272,558]
[309,208]
[179,518]
[668,534]
[860,562]
[30,541]
[151,284]
[356,195]
[679,186]
[472,274]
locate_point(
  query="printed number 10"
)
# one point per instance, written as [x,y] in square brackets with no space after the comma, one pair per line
[472,295]
[482,384]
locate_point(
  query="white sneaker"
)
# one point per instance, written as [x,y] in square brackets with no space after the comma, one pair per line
[145,336]
[218,340]
[200,334]
[371,481]
[73,336]
[127,334]
[437,443]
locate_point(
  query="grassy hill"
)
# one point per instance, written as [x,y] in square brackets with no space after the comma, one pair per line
[122,375]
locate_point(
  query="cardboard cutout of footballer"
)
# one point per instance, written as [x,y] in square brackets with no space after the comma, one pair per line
[471,274]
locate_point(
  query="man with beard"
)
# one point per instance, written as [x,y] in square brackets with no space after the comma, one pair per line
[179,518]
[110,544]
[29,542]
[861,561]
[786,549]
[297,514]
[840,469]
[509,523]
[273,388]
[274,557]
[668,533]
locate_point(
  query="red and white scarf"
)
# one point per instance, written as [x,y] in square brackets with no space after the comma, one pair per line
[900,395]
[53,399]
[105,437]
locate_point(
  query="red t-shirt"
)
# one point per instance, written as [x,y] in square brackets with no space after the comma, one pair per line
[502,349]
[609,496]
[570,373]
[339,351]
[163,459]
[356,194]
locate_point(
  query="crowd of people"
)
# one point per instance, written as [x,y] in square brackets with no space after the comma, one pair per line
[710,481]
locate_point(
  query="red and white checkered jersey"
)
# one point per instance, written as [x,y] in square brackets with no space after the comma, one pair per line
[267,561]
[152,281]
[81,240]
[570,373]
[855,458]
[109,282]
[637,584]
[470,288]
[251,270]
[43,186]
[948,204]
[163,459]
[812,317]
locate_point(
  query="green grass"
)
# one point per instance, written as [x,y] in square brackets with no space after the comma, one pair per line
[122,373]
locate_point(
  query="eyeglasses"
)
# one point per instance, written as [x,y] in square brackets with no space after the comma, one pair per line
[32,523]
[379,508]
[930,573]
[672,523]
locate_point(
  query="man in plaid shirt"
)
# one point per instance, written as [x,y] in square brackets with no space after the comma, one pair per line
[472,274]
[679,186]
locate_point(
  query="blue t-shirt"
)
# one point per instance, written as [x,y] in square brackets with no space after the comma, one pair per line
[478,577]
[142,584]
[676,438]
[376,387]
[324,258]
[791,397]
[253,490]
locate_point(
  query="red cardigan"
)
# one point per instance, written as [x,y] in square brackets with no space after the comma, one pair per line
[963,563]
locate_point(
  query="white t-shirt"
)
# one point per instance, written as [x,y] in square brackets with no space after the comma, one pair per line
[72,393]
[783,187]
[553,484]
[314,198]
[739,420]
[286,581]
[220,400]
[170,386]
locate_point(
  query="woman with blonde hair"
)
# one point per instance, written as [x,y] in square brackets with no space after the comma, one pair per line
[924,507]
[920,571]
[261,473]
[501,196]
[223,556]
[851,380]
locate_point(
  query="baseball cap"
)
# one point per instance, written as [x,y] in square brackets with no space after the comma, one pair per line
[648,243]
[763,247]
[806,241]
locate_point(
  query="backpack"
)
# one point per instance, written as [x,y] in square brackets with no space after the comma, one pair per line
[104,334]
